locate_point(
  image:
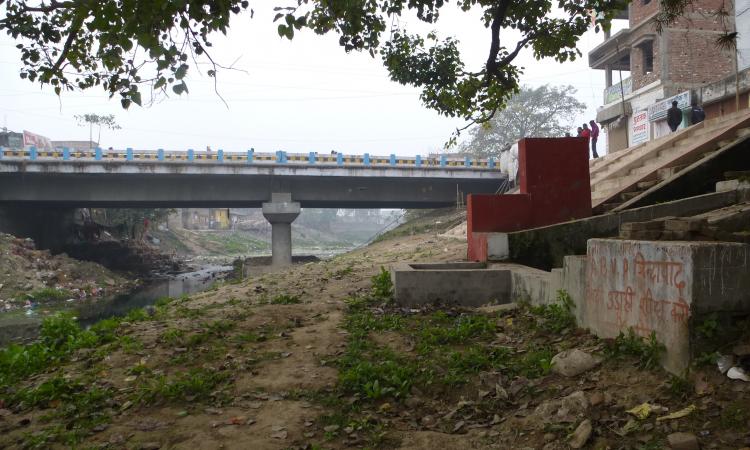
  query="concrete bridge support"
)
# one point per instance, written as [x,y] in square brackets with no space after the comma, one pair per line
[281,212]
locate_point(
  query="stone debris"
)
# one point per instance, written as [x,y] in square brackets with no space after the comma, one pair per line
[683,441]
[571,363]
[581,434]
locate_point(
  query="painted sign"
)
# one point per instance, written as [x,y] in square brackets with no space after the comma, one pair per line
[658,110]
[40,142]
[614,93]
[640,128]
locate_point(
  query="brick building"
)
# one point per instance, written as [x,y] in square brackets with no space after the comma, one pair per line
[659,67]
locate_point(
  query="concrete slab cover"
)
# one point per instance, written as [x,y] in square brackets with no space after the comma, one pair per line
[654,286]
[465,284]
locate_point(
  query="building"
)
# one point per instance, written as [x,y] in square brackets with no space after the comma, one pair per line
[654,68]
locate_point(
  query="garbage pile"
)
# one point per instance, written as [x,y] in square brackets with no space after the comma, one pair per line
[29,276]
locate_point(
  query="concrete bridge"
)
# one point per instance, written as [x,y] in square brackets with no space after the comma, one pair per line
[280,183]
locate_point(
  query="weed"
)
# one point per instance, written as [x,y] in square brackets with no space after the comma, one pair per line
[382,286]
[383,374]
[59,336]
[556,316]
[706,359]
[136,315]
[195,385]
[708,327]
[129,344]
[679,388]
[441,329]
[735,415]
[284,299]
[343,272]
[50,294]
[647,350]
[535,363]
[219,328]
[163,301]
[172,336]
[80,404]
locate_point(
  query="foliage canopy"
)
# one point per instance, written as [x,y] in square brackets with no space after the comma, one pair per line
[129,46]
[533,112]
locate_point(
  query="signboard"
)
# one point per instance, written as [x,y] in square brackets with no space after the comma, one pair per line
[658,110]
[640,128]
[40,142]
[614,93]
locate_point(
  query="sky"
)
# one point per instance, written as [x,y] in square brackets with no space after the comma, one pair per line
[298,96]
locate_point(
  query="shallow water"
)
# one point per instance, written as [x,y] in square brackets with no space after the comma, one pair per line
[21,325]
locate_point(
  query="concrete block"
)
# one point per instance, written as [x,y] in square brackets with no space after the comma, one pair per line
[641,226]
[497,247]
[464,284]
[671,235]
[535,286]
[727,185]
[685,224]
[661,287]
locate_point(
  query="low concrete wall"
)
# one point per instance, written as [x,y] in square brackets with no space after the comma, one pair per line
[660,286]
[465,284]
[665,287]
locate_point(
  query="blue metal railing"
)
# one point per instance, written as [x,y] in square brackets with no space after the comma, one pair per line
[250,157]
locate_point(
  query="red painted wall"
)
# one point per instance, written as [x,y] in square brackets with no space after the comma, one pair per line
[554,187]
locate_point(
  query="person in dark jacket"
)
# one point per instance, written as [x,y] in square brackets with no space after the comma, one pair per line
[697,115]
[674,116]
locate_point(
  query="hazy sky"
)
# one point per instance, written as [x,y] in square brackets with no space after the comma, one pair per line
[299,96]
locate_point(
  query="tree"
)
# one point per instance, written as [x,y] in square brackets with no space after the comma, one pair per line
[100,121]
[127,45]
[533,112]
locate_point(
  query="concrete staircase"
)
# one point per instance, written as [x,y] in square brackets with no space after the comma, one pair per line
[621,176]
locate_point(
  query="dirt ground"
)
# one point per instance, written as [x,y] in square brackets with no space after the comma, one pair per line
[270,363]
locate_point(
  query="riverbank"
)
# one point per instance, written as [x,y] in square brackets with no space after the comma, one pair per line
[31,277]
[315,357]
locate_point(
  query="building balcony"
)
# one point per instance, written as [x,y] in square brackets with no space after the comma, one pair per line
[612,54]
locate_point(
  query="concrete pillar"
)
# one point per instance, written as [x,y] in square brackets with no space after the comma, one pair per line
[281,212]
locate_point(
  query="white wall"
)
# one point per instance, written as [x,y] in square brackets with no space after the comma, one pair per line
[742,20]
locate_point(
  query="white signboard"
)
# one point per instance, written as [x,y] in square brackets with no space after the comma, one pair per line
[640,128]
[658,110]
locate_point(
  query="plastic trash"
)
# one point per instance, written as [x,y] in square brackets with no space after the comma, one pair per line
[677,414]
[737,373]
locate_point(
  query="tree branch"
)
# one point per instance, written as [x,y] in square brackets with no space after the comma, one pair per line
[498,16]
[75,27]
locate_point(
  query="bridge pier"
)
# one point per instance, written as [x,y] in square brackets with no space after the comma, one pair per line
[281,212]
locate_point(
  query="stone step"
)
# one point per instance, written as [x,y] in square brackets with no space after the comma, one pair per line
[643,185]
[742,132]
[667,172]
[707,154]
[625,196]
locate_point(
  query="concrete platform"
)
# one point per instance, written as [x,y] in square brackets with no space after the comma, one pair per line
[461,283]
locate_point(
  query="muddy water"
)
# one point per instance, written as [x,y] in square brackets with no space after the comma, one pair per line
[22,325]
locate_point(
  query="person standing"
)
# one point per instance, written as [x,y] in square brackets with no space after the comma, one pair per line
[579,132]
[674,116]
[697,115]
[585,132]
[594,137]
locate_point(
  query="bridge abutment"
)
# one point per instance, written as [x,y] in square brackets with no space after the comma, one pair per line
[281,212]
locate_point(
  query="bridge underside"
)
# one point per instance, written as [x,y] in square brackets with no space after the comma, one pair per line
[144,190]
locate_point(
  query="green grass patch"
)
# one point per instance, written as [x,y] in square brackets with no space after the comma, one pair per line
[194,385]
[557,316]
[284,299]
[648,351]
[50,294]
